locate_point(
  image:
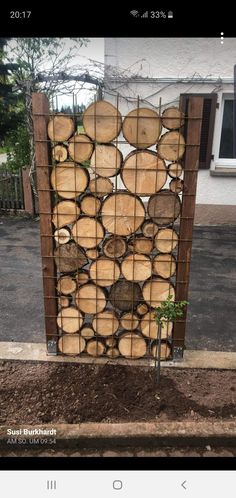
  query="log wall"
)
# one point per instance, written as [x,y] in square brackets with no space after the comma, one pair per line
[110,255]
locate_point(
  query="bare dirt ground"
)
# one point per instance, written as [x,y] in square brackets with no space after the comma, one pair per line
[36,393]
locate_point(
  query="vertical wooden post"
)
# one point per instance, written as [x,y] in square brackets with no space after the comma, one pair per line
[27,190]
[194,122]
[40,107]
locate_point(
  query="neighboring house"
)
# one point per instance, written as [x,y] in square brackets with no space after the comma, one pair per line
[168,68]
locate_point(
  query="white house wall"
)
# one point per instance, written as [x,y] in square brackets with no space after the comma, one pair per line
[171,59]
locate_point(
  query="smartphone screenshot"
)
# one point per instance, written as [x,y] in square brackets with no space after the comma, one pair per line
[117,251]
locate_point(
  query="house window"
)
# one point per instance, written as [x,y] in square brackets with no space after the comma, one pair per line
[226,140]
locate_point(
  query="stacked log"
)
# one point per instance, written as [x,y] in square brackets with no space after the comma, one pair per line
[68,180]
[122,213]
[80,148]
[114,256]
[142,127]
[164,207]
[143,172]
[106,160]
[64,213]
[102,121]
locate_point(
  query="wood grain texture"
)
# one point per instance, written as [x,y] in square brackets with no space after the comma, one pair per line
[142,127]
[40,110]
[102,121]
[69,180]
[171,146]
[143,172]
[122,213]
[106,160]
[80,148]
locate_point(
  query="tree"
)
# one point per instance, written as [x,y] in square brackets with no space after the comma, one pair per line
[11,105]
[37,62]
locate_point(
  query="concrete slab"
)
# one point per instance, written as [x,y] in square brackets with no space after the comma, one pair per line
[192,359]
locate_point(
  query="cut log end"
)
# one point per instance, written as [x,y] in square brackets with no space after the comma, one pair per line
[132,345]
[114,247]
[100,186]
[62,235]
[72,345]
[66,285]
[102,121]
[104,271]
[172,118]
[106,323]
[59,153]
[142,127]
[80,148]
[90,299]
[60,128]
[95,347]
[69,320]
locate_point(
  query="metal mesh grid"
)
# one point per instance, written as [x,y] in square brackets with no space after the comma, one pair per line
[112,229]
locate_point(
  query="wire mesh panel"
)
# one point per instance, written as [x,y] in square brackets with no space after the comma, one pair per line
[116,227]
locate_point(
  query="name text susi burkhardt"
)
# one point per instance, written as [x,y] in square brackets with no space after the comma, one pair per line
[31,432]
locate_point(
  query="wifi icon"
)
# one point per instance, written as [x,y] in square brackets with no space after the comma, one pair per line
[134,13]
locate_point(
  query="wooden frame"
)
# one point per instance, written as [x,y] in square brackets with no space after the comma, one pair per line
[191,163]
[40,108]
[193,113]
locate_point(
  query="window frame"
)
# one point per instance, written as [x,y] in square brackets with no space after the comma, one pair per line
[220,162]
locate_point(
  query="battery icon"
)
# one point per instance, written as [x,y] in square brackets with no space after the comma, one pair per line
[170,14]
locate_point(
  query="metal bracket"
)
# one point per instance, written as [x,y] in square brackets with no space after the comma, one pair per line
[178,352]
[52,347]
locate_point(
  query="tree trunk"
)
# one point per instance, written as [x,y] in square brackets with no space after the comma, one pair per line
[100,186]
[68,258]
[90,205]
[132,345]
[122,213]
[164,265]
[80,148]
[171,146]
[69,180]
[156,291]
[106,323]
[90,299]
[142,127]
[104,271]
[143,172]
[164,207]
[66,285]
[102,121]
[166,240]
[69,320]
[106,160]
[172,118]
[165,350]
[59,153]
[71,344]
[136,267]
[60,128]
[129,321]
[87,232]
[65,213]
[125,295]
[114,247]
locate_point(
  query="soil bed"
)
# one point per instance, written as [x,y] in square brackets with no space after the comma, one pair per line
[36,393]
